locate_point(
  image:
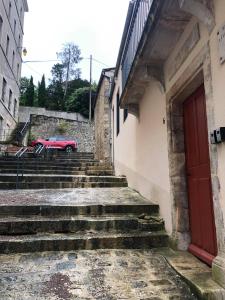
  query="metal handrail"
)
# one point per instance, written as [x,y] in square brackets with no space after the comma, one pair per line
[19,156]
[18,152]
[24,127]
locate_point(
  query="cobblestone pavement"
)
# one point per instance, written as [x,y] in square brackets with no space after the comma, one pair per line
[72,197]
[86,275]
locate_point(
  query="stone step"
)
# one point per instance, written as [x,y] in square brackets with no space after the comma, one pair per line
[61,178]
[60,185]
[53,163]
[37,224]
[37,166]
[78,210]
[58,171]
[88,241]
[58,160]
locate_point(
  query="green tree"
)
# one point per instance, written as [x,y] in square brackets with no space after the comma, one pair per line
[42,93]
[55,90]
[29,94]
[76,84]
[55,96]
[24,83]
[58,73]
[79,101]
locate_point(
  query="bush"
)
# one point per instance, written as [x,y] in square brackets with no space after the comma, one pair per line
[62,128]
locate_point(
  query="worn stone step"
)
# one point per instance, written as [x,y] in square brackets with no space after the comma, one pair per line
[78,210]
[76,241]
[58,171]
[54,163]
[60,185]
[61,178]
[50,160]
[52,167]
[36,224]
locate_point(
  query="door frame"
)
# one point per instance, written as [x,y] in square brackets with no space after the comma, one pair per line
[197,73]
[193,248]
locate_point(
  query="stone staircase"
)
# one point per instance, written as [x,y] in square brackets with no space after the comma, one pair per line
[116,218]
[41,216]
[61,171]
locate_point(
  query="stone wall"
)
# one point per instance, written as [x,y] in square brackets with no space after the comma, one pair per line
[26,111]
[82,132]
[102,118]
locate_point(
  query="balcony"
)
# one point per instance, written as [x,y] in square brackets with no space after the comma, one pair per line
[152,29]
[139,17]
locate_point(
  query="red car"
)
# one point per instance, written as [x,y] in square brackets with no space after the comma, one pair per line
[56,142]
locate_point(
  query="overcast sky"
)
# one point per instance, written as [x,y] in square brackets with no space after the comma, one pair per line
[96,26]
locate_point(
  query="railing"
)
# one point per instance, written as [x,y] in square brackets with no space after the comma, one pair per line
[24,129]
[20,164]
[140,13]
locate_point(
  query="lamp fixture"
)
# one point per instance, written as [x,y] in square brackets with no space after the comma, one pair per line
[24,50]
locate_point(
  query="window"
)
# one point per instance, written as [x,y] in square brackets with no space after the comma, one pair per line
[1,25]
[15,108]
[10,99]
[7,46]
[1,127]
[13,59]
[19,40]
[117,113]
[125,114]
[52,139]
[21,14]
[4,84]
[10,9]
[14,27]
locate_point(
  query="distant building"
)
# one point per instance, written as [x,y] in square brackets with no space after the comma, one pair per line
[170,78]
[11,37]
[102,116]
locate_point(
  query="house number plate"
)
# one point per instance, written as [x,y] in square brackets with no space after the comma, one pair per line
[221,38]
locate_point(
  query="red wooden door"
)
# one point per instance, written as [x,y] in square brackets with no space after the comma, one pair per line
[202,224]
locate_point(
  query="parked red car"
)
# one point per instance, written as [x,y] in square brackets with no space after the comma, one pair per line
[56,142]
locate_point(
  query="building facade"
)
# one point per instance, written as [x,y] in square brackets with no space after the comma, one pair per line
[170,79]
[11,38]
[102,116]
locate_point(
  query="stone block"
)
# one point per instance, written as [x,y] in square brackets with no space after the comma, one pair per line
[177,164]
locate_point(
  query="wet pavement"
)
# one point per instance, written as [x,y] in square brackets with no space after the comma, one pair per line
[86,275]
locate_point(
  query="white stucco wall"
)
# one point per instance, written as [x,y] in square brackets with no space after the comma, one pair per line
[141,150]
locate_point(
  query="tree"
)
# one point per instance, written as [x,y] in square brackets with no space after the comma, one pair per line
[76,84]
[24,83]
[79,101]
[58,73]
[29,94]
[42,93]
[55,96]
[70,57]
[55,89]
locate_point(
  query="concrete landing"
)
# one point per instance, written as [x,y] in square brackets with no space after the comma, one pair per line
[195,273]
[86,275]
